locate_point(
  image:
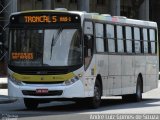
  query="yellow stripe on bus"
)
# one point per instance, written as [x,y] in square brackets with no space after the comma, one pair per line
[43,78]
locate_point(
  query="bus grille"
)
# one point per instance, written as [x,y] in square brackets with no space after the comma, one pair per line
[50,93]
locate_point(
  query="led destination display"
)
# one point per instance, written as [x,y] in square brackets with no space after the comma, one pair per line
[45,18]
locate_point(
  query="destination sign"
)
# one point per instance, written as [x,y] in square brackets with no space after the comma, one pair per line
[44,18]
[47,19]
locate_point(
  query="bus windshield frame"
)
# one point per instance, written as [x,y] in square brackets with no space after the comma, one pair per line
[55,33]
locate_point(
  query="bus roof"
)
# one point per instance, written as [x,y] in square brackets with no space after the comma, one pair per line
[97,16]
[120,19]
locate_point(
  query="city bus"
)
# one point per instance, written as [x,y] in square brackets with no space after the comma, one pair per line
[80,56]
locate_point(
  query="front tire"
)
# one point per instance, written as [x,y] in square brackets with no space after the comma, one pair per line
[95,101]
[30,104]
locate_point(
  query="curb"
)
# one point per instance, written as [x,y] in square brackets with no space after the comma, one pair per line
[6,99]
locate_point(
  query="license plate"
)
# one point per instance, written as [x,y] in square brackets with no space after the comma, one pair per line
[41,91]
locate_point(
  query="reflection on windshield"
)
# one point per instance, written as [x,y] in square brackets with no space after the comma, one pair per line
[54,40]
[49,47]
[64,46]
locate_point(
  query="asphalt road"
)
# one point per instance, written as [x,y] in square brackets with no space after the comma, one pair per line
[71,111]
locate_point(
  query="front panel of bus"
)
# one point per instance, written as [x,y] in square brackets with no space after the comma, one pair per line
[45,55]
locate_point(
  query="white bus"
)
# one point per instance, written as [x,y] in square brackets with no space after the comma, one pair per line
[57,55]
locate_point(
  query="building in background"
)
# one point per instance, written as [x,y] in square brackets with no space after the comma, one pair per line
[137,9]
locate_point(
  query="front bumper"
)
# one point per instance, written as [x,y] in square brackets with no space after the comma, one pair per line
[76,90]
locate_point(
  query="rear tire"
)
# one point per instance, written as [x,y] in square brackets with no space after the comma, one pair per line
[30,104]
[137,97]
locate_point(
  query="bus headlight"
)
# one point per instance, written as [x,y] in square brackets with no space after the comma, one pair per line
[17,82]
[71,81]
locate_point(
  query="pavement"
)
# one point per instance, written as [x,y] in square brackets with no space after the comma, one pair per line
[4,98]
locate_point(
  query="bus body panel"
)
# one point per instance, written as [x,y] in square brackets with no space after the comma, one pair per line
[72,91]
[152,69]
[101,64]
[121,78]
[90,76]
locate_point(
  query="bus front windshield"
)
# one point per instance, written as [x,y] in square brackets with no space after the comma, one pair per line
[45,47]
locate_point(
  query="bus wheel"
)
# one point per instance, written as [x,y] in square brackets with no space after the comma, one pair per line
[138,96]
[30,104]
[95,101]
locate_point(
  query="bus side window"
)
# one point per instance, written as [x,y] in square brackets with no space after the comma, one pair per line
[111,38]
[137,40]
[129,39]
[99,37]
[145,39]
[120,39]
[88,42]
[152,40]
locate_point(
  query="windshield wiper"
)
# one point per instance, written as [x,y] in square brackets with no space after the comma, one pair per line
[54,40]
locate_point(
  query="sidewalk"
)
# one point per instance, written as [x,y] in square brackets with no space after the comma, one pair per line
[4,98]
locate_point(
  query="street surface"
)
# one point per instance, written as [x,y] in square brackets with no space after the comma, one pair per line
[71,111]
